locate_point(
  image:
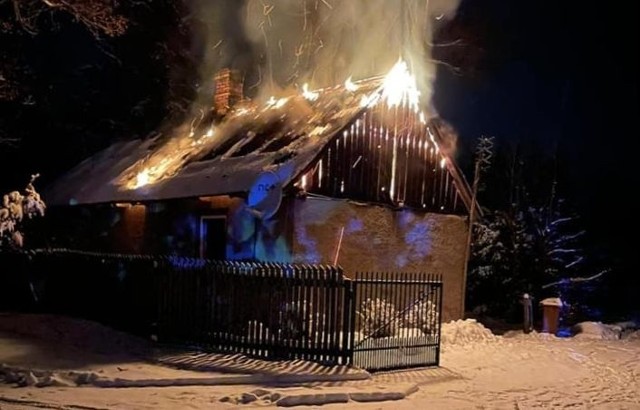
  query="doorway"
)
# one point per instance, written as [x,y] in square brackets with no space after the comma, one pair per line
[213,237]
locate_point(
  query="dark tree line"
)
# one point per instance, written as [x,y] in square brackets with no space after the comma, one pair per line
[77,75]
[531,240]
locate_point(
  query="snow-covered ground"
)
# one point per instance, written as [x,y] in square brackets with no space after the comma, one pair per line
[479,371]
[536,370]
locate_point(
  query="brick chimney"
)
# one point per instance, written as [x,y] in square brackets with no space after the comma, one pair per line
[229,90]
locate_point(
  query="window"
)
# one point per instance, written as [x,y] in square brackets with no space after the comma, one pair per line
[213,237]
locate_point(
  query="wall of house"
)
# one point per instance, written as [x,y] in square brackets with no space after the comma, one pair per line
[379,239]
[99,228]
[174,228]
[170,228]
[129,232]
[306,230]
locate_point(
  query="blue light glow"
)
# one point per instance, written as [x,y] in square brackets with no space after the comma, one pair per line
[354,225]
[310,252]
[181,262]
[417,239]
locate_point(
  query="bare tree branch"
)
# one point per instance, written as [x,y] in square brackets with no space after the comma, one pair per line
[98,16]
[574,280]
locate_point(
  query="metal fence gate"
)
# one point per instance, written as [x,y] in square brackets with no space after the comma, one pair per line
[397,320]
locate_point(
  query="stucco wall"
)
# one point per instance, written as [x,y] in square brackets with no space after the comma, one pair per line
[379,239]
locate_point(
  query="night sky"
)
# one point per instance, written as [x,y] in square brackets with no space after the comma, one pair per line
[559,73]
[548,73]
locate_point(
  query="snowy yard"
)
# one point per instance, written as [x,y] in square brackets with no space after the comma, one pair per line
[479,371]
[537,371]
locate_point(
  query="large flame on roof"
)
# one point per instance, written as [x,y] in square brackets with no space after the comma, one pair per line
[309,95]
[166,160]
[350,85]
[142,178]
[400,87]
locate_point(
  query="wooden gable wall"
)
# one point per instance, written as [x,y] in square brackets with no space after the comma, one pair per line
[387,155]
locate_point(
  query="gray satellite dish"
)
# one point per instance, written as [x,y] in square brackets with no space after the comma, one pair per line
[265,195]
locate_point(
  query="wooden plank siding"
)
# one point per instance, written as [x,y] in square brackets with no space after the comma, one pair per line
[387,155]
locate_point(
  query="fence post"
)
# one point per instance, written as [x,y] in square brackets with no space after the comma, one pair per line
[349,321]
[440,287]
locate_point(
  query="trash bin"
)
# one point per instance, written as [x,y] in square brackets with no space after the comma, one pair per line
[551,315]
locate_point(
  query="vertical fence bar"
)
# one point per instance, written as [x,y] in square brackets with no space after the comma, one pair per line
[378,277]
[207,300]
[440,293]
[301,336]
[302,315]
[321,335]
[352,318]
[402,304]
[340,304]
[222,305]
[330,327]
[271,289]
[424,289]
[283,312]
[420,308]
[292,297]
[320,313]
[329,332]
[370,296]
[215,274]
[310,306]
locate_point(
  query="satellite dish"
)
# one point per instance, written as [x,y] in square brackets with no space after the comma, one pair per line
[265,195]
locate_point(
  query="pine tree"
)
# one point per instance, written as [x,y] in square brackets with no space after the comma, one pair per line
[532,245]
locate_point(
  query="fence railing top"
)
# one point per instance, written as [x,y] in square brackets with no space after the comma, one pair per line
[398,277]
[304,272]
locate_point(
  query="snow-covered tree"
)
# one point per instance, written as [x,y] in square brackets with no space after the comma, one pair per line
[555,240]
[523,251]
[498,253]
[14,209]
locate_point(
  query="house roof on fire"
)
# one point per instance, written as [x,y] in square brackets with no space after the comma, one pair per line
[284,136]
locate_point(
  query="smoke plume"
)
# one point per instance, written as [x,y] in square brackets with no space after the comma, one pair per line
[285,43]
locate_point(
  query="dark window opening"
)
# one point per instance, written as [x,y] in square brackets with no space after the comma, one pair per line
[213,237]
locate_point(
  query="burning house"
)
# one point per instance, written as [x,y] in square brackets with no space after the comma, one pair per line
[357,175]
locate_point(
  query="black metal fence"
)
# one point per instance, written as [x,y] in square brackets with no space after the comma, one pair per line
[397,320]
[269,310]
